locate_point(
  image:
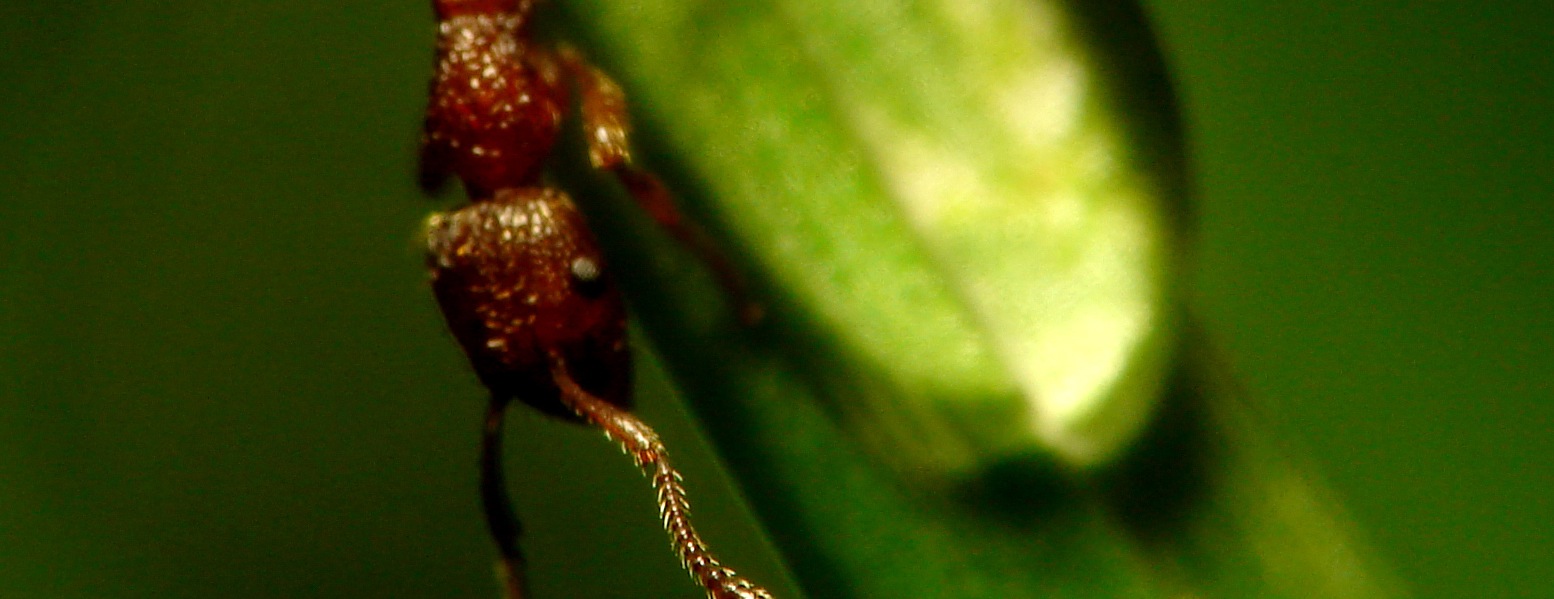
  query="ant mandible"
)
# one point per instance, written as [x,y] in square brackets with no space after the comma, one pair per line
[519,276]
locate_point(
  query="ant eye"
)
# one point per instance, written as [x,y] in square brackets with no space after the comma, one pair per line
[587,275]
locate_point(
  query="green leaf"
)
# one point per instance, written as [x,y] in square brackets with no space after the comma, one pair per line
[962,218]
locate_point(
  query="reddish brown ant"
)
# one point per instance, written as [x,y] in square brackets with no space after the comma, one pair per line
[520,277]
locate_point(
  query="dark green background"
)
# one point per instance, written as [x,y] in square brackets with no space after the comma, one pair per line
[221,374]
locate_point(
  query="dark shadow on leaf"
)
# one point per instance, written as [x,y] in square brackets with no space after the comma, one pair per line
[1163,480]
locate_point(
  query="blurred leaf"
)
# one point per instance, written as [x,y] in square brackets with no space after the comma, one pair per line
[962,217]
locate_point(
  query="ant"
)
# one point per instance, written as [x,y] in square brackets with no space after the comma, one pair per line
[516,271]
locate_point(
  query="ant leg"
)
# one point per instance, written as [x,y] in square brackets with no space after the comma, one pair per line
[674,509]
[501,520]
[606,126]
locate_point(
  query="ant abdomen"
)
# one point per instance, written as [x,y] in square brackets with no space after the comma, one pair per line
[496,104]
[520,276]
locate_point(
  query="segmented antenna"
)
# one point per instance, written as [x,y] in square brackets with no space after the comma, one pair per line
[674,509]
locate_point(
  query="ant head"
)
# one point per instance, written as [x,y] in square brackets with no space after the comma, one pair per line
[453,8]
[521,280]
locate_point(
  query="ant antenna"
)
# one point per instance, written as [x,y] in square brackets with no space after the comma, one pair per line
[674,509]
